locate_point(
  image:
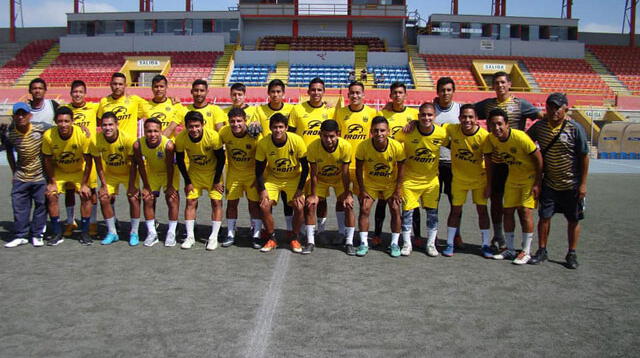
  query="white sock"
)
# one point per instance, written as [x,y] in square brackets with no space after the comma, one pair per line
[340,220]
[257,226]
[527,237]
[111,225]
[321,223]
[497,231]
[451,234]
[151,227]
[172,227]
[231,227]
[135,223]
[485,237]
[510,236]
[394,238]
[94,214]
[431,237]
[289,221]
[310,234]
[349,235]
[190,224]
[215,228]
[70,214]
[406,238]
[364,240]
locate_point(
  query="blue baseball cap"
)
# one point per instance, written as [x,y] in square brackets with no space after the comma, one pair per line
[21,106]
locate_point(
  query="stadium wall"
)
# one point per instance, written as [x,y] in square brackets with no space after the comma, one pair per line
[602,38]
[441,45]
[200,42]
[391,32]
[25,34]
[320,28]
[387,58]
[252,30]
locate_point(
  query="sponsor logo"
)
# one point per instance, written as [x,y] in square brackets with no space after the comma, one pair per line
[423,155]
[121,113]
[381,170]
[329,171]
[239,155]
[283,165]
[355,131]
[465,154]
[395,130]
[68,158]
[115,160]
[200,159]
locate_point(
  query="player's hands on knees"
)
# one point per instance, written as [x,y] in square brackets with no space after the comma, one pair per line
[147,194]
[396,197]
[535,191]
[312,200]
[347,200]
[219,187]
[298,198]
[188,188]
[133,192]
[364,196]
[52,190]
[85,192]
[103,193]
[265,203]
[171,192]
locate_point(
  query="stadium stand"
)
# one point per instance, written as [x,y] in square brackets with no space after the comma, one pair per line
[624,62]
[306,43]
[384,76]
[251,75]
[188,66]
[334,76]
[14,68]
[457,67]
[566,75]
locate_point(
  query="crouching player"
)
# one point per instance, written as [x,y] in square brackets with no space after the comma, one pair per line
[206,161]
[522,156]
[329,157]
[379,173]
[114,148]
[421,183]
[154,154]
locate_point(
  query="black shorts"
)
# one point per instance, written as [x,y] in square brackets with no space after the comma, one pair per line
[565,201]
[499,177]
[445,176]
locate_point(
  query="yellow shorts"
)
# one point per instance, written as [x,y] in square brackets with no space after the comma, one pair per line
[518,194]
[274,187]
[202,181]
[380,193]
[114,181]
[427,192]
[73,181]
[158,181]
[322,188]
[238,186]
[459,193]
[355,189]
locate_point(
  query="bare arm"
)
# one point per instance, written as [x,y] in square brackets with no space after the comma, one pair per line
[10,157]
[538,162]
[582,189]
[168,132]
[488,164]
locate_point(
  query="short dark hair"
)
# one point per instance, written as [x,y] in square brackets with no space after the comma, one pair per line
[118,74]
[397,84]
[468,106]
[78,83]
[237,112]
[316,80]
[238,87]
[109,114]
[278,118]
[378,120]
[199,82]
[355,83]
[153,120]
[442,81]
[275,83]
[330,126]
[501,74]
[64,110]
[427,104]
[192,116]
[38,80]
[158,78]
[498,112]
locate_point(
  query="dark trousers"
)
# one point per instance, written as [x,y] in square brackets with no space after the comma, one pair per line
[445,176]
[23,196]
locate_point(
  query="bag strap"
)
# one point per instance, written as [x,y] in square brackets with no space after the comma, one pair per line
[554,140]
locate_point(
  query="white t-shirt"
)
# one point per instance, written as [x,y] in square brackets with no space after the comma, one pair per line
[449,115]
[43,115]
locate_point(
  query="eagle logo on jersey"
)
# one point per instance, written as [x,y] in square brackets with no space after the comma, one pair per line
[120,111]
[329,170]
[465,154]
[381,170]
[79,117]
[314,124]
[423,155]
[160,116]
[355,131]
[509,159]
[283,165]
[68,158]
[115,159]
[239,155]
[200,159]
[395,130]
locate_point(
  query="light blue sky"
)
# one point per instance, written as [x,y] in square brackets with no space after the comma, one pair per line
[594,15]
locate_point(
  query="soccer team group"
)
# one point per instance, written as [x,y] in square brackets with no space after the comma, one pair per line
[401,157]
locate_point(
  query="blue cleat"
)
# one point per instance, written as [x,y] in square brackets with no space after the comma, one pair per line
[394,250]
[448,252]
[362,250]
[487,253]
[110,239]
[134,239]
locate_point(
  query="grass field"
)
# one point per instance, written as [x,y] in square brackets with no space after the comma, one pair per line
[75,301]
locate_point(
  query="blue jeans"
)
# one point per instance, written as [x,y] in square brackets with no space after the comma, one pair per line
[23,196]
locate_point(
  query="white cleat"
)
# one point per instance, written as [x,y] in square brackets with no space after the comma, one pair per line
[505,255]
[406,250]
[151,240]
[16,242]
[432,251]
[37,242]
[522,258]
[188,242]
[170,240]
[212,244]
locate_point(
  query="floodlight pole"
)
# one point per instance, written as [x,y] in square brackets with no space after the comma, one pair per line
[12,21]
[632,24]
[454,7]
[566,9]
[188,5]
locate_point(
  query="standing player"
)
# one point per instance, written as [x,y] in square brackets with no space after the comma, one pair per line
[467,165]
[563,144]
[214,118]
[114,148]
[240,147]
[354,123]
[284,157]
[128,109]
[154,154]
[515,148]
[379,172]
[42,110]
[169,112]
[518,110]
[421,186]
[67,160]
[206,161]
[238,92]
[329,157]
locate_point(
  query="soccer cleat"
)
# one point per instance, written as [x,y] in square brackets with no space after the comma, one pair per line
[308,248]
[539,257]
[151,240]
[269,246]
[170,240]
[212,243]
[54,241]
[39,242]
[230,240]
[85,239]
[498,243]
[134,239]
[375,241]
[69,229]
[362,250]
[350,250]
[432,251]
[448,252]
[93,229]
[458,243]
[486,252]
[406,250]
[16,242]
[295,246]
[505,255]
[110,239]
[522,258]
[394,250]
[188,242]
[572,260]
[256,243]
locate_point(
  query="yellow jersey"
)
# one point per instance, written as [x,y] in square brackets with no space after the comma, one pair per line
[380,168]
[422,152]
[354,126]
[68,154]
[241,152]
[329,164]
[264,112]
[515,152]
[397,120]
[307,120]
[86,116]
[211,113]
[283,162]
[116,156]
[467,161]
[248,110]
[167,112]
[201,154]
[154,158]
[128,110]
